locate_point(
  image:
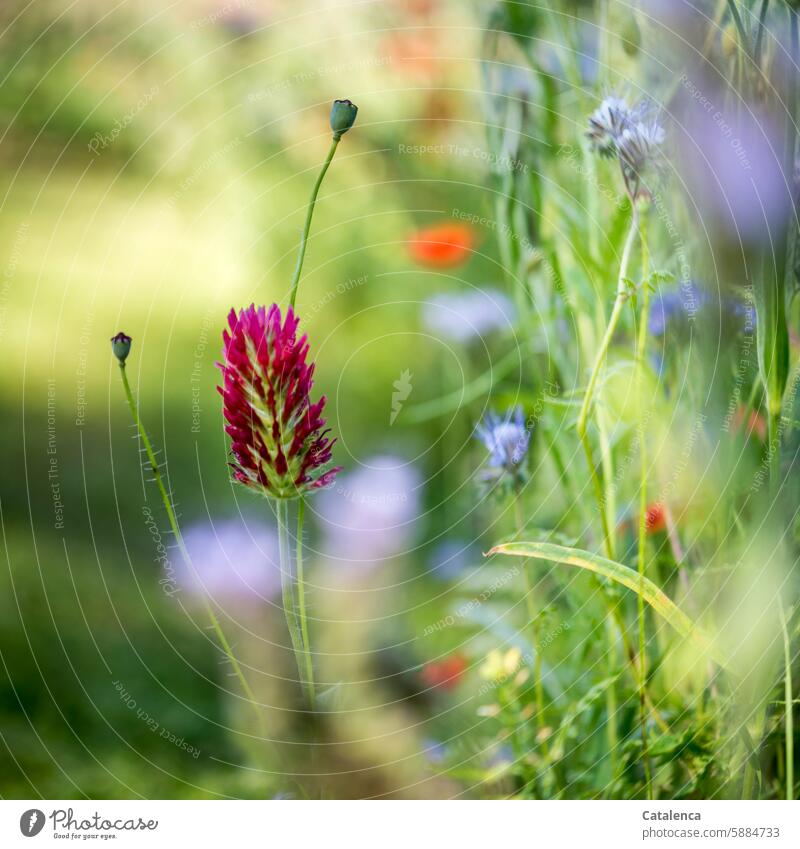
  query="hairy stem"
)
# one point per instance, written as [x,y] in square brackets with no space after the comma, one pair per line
[301,606]
[599,362]
[176,531]
[597,484]
[288,593]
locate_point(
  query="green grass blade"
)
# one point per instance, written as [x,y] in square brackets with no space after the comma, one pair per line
[788,708]
[656,598]
[479,387]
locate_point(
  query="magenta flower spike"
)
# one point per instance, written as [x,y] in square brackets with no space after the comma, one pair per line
[279,441]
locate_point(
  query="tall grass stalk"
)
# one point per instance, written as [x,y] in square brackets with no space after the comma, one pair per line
[534,624]
[597,484]
[788,707]
[641,349]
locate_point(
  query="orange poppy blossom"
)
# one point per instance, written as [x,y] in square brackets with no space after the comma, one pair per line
[442,245]
[444,674]
[655,518]
[756,424]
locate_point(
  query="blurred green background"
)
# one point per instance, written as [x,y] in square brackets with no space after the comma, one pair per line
[156,162]
[155,166]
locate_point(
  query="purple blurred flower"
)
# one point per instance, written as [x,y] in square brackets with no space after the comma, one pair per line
[675,305]
[733,165]
[451,558]
[507,440]
[631,134]
[676,308]
[370,514]
[608,122]
[231,559]
[434,750]
[462,316]
[640,144]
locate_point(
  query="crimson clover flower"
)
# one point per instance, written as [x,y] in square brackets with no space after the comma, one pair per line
[278,438]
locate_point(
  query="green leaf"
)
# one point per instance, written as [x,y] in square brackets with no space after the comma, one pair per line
[772,336]
[627,577]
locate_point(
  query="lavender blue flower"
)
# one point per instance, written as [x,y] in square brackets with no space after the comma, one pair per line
[733,164]
[463,316]
[675,305]
[231,559]
[452,558]
[434,750]
[616,129]
[639,145]
[607,124]
[371,514]
[507,441]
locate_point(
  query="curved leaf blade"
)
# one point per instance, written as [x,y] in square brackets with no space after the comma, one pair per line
[624,575]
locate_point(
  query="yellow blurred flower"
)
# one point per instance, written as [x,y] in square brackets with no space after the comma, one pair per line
[499,665]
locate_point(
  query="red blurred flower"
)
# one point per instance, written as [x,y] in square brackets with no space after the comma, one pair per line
[415,54]
[755,423]
[444,674]
[442,245]
[277,434]
[655,518]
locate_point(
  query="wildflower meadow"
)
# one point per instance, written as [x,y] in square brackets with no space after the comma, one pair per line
[400,402]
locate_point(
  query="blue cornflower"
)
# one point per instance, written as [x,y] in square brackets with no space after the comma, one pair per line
[629,133]
[675,306]
[507,440]
[678,307]
[607,123]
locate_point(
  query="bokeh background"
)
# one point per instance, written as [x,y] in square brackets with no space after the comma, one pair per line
[155,164]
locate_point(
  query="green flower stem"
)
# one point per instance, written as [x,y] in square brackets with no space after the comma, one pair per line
[641,349]
[737,19]
[774,407]
[597,484]
[535,630]
[599,362]
[307,226]
[173,522]
[301,605]
[290,603]
[788,708]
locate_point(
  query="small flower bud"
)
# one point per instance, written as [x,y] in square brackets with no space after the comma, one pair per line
[730,41]
[121,346]
[343,116]
[631,36]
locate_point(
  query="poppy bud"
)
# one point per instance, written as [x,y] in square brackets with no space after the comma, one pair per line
[121,346]
[343,116]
